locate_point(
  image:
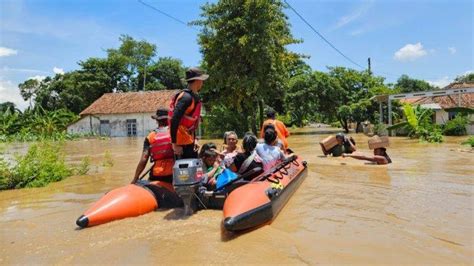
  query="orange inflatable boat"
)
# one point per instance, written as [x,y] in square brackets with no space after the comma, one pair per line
[129,201]
[246,203]
[259,201]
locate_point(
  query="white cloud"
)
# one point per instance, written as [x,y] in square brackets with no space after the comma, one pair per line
[452,50]
[441,82]
[38,77]
[410,52]
[10,93]
[4,51]
[354,15]
[58,70]
[27,70]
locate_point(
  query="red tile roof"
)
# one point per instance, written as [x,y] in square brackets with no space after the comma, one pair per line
[460,85]
[130,102]
[446,101]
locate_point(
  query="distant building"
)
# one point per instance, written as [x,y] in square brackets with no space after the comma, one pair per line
[122,114]
[439,104]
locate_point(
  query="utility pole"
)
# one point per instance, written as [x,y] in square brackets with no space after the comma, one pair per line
[369,68]
[144,78]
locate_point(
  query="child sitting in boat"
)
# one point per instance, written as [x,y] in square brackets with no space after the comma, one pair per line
[248,160]
[270,153]
[212,162]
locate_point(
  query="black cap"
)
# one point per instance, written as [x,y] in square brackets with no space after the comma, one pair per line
[161,114]
[195,73]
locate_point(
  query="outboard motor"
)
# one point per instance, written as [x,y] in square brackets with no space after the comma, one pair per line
[187,177]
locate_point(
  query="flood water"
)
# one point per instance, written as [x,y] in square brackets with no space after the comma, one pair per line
[419,209]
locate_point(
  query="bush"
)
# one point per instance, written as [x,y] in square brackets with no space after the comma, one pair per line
[456,126]
[469,141]
[380,129]
[335,124]
[430,134]
[42,164]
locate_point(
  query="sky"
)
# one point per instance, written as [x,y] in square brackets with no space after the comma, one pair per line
[429,40]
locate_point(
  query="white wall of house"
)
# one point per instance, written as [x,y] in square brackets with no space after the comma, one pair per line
[116,126]
[86,125]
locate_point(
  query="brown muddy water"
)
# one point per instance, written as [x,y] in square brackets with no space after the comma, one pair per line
[417,210]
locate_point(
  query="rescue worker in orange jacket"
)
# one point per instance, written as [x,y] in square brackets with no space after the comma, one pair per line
[281,130]
[185,115]
[158,146]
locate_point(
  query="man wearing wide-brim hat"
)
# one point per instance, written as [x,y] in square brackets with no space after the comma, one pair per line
[185,115]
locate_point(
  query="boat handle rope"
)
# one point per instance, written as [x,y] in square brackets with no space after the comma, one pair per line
[276,180]
[295,162]
[283,171]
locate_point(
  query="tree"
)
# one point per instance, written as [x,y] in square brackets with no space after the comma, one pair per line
[29,89]
[406,84]
[7,106]
[467,78]
[167,73]
[138,56]
[244,50]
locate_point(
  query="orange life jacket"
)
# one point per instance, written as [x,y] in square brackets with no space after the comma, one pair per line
[189,122]
[161,153]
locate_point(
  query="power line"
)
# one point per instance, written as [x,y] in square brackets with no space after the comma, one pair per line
[166,14]
[322,37]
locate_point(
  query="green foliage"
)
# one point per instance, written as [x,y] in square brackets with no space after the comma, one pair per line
[83,167]
[456,126]
[407,84]
[108,160]
[167,73]
[5,106]
[35,124]
[223,118]
[380,129]
[42,164]
[467,78]
[344,114]
[244,50]
[418,124]
[469,141]
[431,134]
[124,69]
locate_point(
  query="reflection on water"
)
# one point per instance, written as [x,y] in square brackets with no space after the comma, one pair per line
[417,210]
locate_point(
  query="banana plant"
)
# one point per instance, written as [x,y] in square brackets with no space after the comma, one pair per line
[415,122]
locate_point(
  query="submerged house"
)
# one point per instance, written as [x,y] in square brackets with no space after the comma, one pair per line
[442,103]
[124,114]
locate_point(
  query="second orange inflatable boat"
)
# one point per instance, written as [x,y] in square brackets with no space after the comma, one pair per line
[259,201]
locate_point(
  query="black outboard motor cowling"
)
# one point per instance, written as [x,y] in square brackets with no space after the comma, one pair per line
[187,178]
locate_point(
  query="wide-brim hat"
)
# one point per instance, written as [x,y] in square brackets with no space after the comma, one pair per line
[161,114]
[195,73]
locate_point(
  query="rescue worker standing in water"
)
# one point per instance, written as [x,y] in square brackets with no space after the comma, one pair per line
[280,128]
[185,115]
[157,145]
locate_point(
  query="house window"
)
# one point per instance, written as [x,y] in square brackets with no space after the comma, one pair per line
[451,115]
[131,127]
